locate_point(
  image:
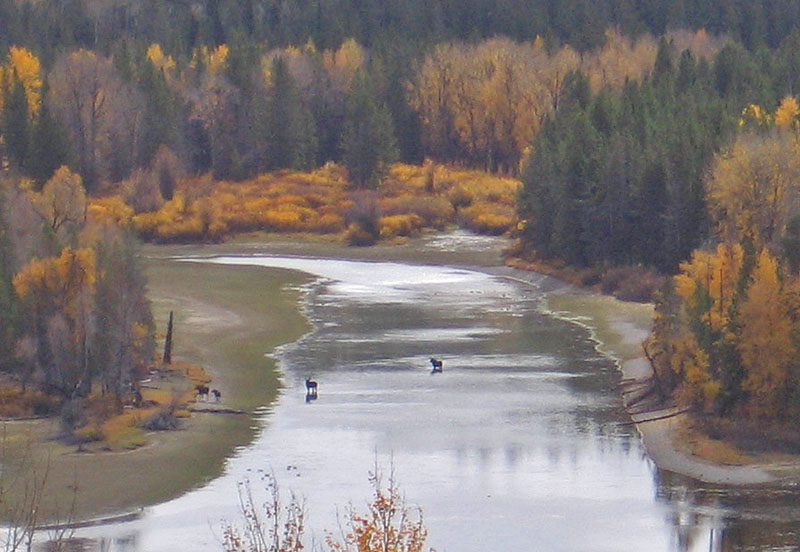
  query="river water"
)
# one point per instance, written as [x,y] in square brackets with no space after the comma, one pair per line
[519,445]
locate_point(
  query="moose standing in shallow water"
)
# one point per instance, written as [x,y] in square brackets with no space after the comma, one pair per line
[437,366]
[311,387]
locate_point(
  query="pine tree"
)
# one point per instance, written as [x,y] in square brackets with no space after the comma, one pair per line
[49,146]
[368,139]
[17,125]
[9,307]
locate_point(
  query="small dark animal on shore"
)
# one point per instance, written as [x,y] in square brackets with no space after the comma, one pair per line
[217,394]
[311,387]
[202,390]
[437,366]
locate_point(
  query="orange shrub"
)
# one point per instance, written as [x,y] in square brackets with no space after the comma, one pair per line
[400,225]
[412,198]
[435,212]
[487,218]
[111,210]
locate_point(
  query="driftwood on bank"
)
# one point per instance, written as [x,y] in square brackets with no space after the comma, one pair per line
[120,518]
[216,410]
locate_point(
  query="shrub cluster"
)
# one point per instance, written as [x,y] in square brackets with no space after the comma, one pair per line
[410,200]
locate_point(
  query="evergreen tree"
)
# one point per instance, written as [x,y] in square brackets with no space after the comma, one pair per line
[368,140]
[49,146]
[16,125]
[159,118]
[291,133]
[123,342]
[9,306]
[570,225]
[663,67]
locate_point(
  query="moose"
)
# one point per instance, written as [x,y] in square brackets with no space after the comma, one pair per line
[202,391]
[437,366]
[311,387]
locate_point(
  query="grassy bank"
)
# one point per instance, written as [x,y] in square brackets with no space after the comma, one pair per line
[227,318]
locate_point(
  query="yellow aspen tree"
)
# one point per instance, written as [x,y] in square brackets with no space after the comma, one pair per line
[751,188]
[754,116]
[788,113]
[692,366]
[159,59]
[766,344]
[62,202]
[342,65]
[24,66]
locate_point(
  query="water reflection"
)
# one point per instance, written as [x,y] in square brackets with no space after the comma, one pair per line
[724,519]
[519,444]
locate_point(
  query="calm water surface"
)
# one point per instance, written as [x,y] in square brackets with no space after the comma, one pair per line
[519,445]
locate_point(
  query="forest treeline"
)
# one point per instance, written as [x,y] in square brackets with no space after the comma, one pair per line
[180,27]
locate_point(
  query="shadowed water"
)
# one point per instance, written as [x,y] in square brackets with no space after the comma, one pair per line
[519,445]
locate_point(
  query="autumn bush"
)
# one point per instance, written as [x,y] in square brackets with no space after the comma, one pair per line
[631,283]
[14,403]
[322,202]
[400,225]
[270,523]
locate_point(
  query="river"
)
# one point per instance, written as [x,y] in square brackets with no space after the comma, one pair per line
[519,445]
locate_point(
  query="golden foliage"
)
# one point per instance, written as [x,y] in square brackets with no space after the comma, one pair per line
[688,360]
[160,60]
[718,275]
[319,202]
[387,525]
[752,188]
[214,59]
[765,343]
[788,113]
[24,66]
[62,200]
[754,116]
[110,210]
[59,280]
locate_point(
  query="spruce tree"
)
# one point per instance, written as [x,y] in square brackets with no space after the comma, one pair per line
[9,307]
[49,146]
[17,125]
[368,140]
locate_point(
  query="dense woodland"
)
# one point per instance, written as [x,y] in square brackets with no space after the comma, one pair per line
[655,134]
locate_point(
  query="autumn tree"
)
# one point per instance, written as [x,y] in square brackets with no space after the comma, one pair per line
[269,525]
[57,291]
[788,113]
[62,203]
[388,525]
[751,188]
[766,341]
[87,94]
[20,87]
[213,108]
